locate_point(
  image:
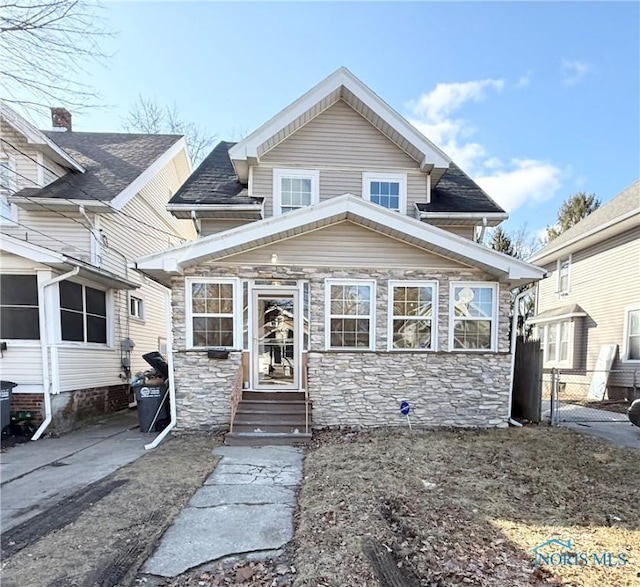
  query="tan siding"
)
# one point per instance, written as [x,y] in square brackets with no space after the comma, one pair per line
[344,244]
[463,231]
[211,226]
[51,170]
[340,136]
[26,168]
[335,182]
[604,280]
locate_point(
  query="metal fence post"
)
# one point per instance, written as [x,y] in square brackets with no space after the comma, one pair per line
[554,397]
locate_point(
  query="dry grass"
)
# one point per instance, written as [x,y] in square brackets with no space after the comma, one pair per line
[497,494]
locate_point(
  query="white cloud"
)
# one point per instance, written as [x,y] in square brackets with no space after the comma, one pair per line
[512,183]
[573,72]
[528,181]
[524,80]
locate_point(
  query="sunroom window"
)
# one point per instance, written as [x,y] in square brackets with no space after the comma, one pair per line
[19,316]
[210,314]
[83,313]
[473,316]
[350,314]
[412,315]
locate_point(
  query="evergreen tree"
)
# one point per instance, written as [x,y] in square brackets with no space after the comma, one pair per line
[572,211]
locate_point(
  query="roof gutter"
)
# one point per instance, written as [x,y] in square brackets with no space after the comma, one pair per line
[463,215]
[214,207]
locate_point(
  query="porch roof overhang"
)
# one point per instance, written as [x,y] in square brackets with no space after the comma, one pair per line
[340,85]
[163,265]
[33,203]
[217,211]
[61,262]
[462,218]
[556,314]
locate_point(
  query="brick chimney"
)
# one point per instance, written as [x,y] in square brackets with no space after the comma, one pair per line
[61,119]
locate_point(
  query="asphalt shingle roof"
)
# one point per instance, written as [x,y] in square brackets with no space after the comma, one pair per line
[625,202]
[214,182]
[457,192]
[112,161]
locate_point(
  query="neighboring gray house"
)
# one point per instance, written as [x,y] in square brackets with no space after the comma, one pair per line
[76,209]
[338,271]
[591,295]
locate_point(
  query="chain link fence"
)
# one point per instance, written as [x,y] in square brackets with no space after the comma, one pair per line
[589,396]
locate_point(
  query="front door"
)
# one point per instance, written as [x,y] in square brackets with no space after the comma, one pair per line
[276,360]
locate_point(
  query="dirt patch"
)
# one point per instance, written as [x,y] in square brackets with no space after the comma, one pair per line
[459,508]
[616,406]
[103,537]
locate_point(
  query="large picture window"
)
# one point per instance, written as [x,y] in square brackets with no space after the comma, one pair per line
[350,314]
[294,189]
[412,315]
[473,314]
[83,313]
[19,317]
[210,313]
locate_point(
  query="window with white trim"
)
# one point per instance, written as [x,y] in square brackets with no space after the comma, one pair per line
[8,186]
[19,315]
[210,313]
[294,189]
[557,343]
[632,335]
[83,313]
[564,267]
[350,314]
[388,190]
[473,316]
[412,315]
[136,307]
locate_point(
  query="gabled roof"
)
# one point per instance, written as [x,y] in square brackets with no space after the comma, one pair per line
[37,137]
[163,264]
[214,184]
[117,165]
[340,85]
[616,216]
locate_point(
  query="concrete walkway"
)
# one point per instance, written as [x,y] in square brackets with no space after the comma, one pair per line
[245,508]
[610,426]
[37,475]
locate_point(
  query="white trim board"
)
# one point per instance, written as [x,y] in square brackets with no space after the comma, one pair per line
[347,206]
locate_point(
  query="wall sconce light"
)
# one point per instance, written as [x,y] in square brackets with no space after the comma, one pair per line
[274,258]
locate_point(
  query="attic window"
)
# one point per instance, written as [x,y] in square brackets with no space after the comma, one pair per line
[8,186]
[388,190]
[294,189]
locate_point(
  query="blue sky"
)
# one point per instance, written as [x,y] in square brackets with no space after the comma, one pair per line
[534,100]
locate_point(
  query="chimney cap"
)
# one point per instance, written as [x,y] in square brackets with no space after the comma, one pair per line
[60,119]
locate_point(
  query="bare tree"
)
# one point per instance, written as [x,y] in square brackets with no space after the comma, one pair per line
[147,116]
[46,45]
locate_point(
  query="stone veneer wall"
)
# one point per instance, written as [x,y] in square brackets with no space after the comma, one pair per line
[356,388]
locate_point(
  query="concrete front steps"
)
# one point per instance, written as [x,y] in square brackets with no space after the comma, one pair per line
[270,417]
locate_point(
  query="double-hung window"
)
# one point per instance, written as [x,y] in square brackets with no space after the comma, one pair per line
[632,335]
[83,313]
[412,315]
[350,314]
[294,189]
[211,306]
[473,316]
[556,342]
[8,186]
[564,267]
[388,190]
[19,316]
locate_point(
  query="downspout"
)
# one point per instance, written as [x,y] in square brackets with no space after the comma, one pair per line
[44,346]
[171,381]
[196,222]
[514,329]
[484,226]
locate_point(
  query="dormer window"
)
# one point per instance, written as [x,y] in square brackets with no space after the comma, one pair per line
[294,189]
[388,190]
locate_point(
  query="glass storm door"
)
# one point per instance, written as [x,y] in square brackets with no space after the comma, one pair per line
[275,340]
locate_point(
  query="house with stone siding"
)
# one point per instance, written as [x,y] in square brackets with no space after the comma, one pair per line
[335,275]
[76,209]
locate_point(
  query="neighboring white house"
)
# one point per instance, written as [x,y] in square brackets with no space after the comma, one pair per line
[591,296]
[338,274]
[76,208]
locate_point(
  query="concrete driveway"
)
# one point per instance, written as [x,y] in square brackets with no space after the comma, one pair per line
[604,424]
[37,475]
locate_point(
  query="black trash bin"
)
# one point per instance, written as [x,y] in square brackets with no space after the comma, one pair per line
[634,412]
[153,406]
[6,387]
